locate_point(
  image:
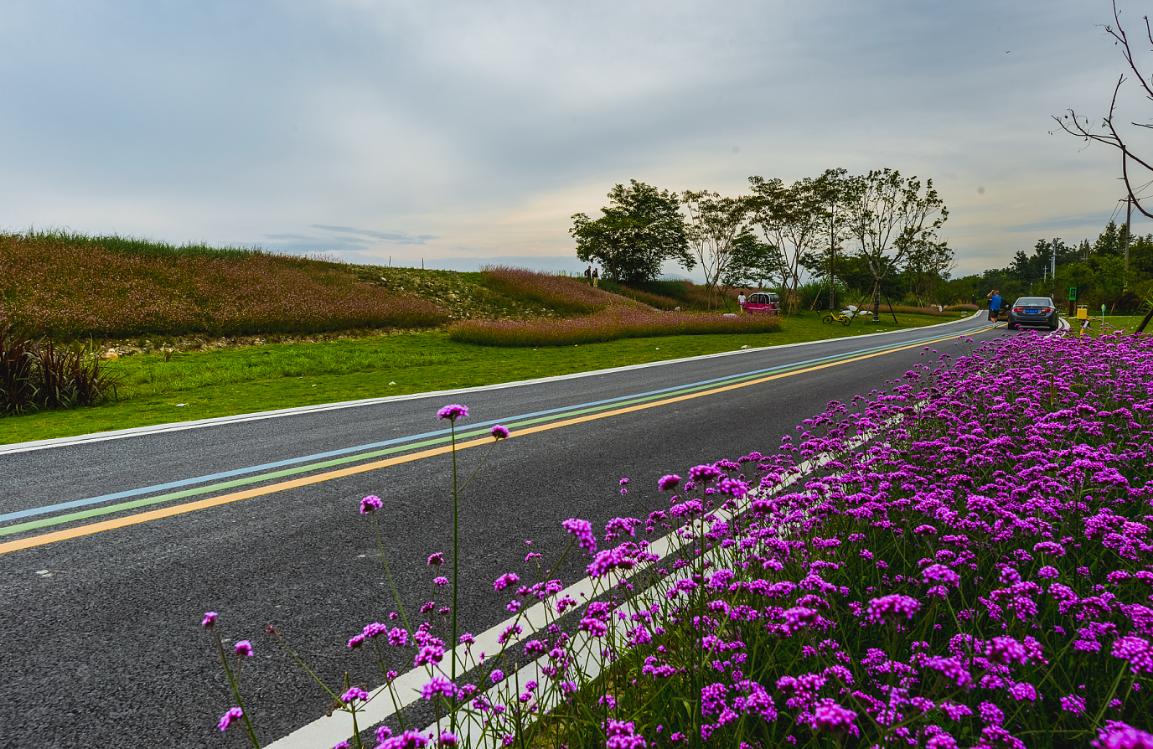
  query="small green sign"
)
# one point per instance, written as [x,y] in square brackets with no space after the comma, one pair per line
[1072,293]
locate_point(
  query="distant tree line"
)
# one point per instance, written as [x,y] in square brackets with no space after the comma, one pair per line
[864,238]
[1097,271]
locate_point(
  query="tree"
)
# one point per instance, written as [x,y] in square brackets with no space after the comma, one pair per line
[831,192]
[1109,241]
[927,264]
[715,223]
[888,217]
[641,228]
[790,218]
[1024,268]
[1113,133]
[753,263]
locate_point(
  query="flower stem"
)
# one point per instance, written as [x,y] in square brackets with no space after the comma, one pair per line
[455,566]
[235,685]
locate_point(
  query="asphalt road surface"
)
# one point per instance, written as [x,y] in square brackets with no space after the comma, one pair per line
[111,550]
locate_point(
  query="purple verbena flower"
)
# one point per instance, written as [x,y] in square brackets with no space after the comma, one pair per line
[452,412]
[438,687]
[622,735]
[830,717]
[371,503]
[410,739]
[892,607]
[505,580]
[582,530]
[230,716]
[352,694]
[1118,735]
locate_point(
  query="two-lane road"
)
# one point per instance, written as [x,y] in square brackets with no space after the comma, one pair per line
[111,548]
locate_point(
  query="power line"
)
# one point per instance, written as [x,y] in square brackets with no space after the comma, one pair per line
[1115,209]
[1142,187]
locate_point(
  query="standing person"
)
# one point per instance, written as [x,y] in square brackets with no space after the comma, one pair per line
[994,304]
[589,275]
[596,278]
[741,299]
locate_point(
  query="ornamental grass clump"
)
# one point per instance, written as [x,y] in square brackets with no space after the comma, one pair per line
[964,558]
[39,373]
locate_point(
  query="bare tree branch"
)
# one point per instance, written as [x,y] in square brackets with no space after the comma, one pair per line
[1072,124]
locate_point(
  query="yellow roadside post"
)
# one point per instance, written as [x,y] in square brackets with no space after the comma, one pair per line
[1083,316]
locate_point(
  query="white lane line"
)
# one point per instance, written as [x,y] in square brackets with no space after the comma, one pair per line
[381,706]
[179,426]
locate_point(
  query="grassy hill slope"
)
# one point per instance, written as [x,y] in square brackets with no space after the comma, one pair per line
[75,286]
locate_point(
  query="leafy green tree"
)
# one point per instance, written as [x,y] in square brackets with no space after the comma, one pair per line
[714,225]
[790,219]
[754,263]
[1141,256]
[927,265]
[638,231]
[1109,274]
[890,216]
[831,189]
[1024,268]
[1109,241]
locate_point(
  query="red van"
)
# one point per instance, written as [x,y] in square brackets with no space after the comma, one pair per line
[763,303]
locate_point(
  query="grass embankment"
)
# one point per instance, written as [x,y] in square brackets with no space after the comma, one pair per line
[72,286]
[156,388]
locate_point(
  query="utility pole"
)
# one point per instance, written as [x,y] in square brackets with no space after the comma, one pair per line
[1128,228]
[1053,264]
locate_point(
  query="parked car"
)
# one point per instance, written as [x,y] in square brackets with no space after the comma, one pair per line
[763,303]
[1033,310]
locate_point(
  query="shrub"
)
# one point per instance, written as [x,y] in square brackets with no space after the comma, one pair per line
[40,374]
[816,296]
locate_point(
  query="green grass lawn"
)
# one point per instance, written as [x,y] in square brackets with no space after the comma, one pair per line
[1112,324]
[204,384]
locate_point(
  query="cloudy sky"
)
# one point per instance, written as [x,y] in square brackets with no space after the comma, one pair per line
[463,133]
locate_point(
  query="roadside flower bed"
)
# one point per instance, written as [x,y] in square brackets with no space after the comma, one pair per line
[608,325]
[963,559]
